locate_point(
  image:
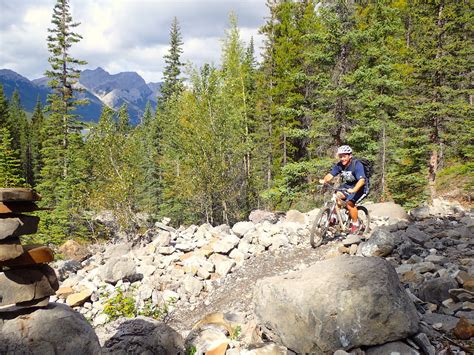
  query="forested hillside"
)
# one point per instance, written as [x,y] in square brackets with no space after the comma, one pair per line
[393,79]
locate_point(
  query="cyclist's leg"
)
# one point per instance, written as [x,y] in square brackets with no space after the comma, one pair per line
[352,199]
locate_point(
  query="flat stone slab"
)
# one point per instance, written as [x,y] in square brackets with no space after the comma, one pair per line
[42,302]
[18,225]
[27,284]
[10,248]
[18,207]
[32,255]
[18,194]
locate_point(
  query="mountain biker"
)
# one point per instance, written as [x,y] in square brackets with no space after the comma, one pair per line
[354,180]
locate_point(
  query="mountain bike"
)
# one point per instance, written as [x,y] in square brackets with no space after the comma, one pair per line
[333,220]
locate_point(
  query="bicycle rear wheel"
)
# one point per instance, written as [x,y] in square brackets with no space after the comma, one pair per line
[364,220]
[320,228]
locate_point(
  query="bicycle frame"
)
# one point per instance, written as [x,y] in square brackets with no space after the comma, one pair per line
[333,206]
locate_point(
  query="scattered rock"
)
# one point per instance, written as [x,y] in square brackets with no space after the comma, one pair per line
[380,243]
[295,216]
[72,250]
[396,347]
[437,290]
[241,228]
[464,329]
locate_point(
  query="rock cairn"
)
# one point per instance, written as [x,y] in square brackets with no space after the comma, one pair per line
[25,278]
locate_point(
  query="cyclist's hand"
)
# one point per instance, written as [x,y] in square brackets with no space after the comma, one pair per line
[351,191]
[321,181]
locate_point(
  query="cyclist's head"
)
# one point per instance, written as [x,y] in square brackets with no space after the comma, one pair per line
[344,152]
[344,149]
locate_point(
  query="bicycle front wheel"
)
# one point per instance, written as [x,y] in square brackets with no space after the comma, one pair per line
[320,228]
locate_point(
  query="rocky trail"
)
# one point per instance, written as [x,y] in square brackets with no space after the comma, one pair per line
[235,292]
[254,288]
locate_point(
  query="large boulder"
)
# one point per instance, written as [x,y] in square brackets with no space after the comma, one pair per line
[144,336]
[56,329]
[340,303]
[387,209]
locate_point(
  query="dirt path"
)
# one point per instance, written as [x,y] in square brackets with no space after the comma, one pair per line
[234,293]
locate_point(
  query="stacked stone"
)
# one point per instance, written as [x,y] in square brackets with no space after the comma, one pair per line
[25,278]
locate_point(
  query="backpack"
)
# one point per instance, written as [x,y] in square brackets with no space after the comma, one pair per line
[368,166]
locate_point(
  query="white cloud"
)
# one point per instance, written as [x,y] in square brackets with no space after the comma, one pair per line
[124,35]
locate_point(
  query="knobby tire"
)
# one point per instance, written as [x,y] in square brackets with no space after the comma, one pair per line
[320,228]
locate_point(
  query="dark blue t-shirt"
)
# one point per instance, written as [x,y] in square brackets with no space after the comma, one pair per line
[351,174]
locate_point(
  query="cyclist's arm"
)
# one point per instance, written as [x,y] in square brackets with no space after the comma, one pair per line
[357,187]
[326,179]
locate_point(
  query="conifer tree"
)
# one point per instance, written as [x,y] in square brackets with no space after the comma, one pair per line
[18,125]
[172,84]
[61,147]
[36,143]
[4,121]
[441,112]
[10,166]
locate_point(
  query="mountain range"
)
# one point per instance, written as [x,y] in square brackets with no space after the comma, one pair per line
[100,88]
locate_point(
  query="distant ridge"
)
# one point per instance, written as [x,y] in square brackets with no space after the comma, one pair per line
[101,88]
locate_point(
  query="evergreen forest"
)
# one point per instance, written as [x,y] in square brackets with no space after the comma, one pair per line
[392,79]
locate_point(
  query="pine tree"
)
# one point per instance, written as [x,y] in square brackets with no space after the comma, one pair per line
[10,165]
[442,109]
[61,147]
[378,86]
[4,121]
[172,84]
[36,143]
[19,131]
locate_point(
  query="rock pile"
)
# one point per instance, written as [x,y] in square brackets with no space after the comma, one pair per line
[29,323]
[25,278]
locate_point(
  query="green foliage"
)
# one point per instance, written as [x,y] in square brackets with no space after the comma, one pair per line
[10,168]
[120,305]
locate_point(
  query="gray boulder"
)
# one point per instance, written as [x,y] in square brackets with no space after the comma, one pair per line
[56,329]
[118,269]
[340,303]
[415,235]
[380,243]
[64,268]
[437,290]
[259,216]
[240,228]
[144,336]
[387,209]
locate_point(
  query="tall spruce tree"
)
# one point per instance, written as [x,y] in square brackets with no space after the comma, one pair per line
[442,108]
[4,121]
[61,147]
[10,165]
[172,83]
[18,125]
[36,142]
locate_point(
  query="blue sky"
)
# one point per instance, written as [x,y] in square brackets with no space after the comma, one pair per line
[124,35]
